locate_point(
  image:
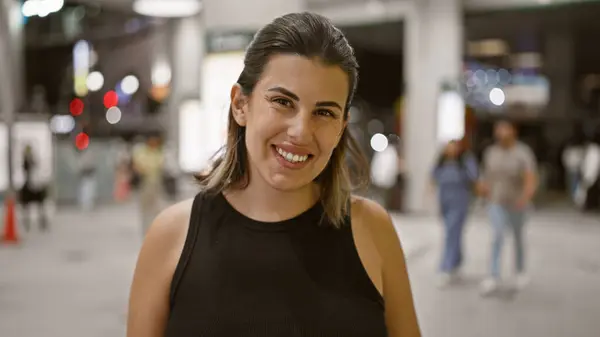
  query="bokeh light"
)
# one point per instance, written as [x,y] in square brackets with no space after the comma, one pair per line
[375,126]
[113,115]
[81,66]
[159,93]
[379,142]
[161,74]
[504,76]
[111,99]
[76,107]
[480,77]
[41,8]
[82,141]
[497,96]
[62,124]
[95,81]
[492,77]
[130,85]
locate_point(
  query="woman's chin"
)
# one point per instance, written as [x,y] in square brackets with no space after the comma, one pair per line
[286,184]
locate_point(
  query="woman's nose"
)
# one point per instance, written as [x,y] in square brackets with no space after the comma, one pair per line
[300,128]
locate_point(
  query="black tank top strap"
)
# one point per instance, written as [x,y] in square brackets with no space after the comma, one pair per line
[188,247]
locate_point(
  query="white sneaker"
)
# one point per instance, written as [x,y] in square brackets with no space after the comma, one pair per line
[457,275]
[522,281]
[444,280]
[489,286]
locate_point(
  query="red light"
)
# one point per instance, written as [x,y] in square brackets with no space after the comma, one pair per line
[82,140]
[76,107]
[111,99]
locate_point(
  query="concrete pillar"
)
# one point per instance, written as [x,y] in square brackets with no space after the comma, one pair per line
[184,55]
[433,56]
[11,31]
[11,84]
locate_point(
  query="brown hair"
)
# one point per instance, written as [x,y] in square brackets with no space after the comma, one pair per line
[309,35]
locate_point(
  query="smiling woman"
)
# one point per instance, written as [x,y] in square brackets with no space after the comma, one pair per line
[274,244]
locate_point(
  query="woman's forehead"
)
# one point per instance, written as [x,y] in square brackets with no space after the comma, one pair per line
[305,77]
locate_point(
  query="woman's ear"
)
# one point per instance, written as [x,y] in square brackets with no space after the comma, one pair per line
[239,106]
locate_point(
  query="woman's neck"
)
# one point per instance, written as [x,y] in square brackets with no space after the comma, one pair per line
[260,201]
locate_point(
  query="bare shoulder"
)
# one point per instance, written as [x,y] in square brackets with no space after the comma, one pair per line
[157,261]
[373,216]
[169,229]
[173,220]
[375,220]
[368,209]
[166,236]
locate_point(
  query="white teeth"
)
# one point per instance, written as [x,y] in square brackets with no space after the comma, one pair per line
[292,158]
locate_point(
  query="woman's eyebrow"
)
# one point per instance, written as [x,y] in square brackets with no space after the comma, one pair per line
[295,97]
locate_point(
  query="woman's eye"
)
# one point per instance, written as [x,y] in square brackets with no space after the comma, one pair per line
[283,102]
[326,113]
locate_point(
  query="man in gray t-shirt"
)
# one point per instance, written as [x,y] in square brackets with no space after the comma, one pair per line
[508,181]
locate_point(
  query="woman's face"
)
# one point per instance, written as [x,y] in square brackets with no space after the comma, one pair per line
[452,150]
[294,119]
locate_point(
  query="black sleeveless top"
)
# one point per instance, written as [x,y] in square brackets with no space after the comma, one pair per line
[239,277]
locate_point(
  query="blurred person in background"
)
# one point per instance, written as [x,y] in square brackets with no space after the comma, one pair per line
[509,183]
[122,186]
[148,163]
[572,159]
[32,192]
[170,172]
[590,171]
[275,244]
[87,180]
[455,174]
[39,102]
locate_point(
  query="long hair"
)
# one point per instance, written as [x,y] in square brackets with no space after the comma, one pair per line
[309,35]
[460,158]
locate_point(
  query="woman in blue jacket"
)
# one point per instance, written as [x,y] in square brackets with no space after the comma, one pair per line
[455,174]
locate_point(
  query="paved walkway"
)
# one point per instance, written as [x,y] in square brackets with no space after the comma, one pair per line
[563,299]
[74,281]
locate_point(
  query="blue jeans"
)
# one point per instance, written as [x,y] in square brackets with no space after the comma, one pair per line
[572,182]
[502,218]
[454,221]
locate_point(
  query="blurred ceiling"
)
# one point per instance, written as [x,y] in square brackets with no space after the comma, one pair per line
[512,4]
[314,4]
[382,34]
[581,21]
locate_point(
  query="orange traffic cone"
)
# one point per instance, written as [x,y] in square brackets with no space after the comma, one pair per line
[10,223]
